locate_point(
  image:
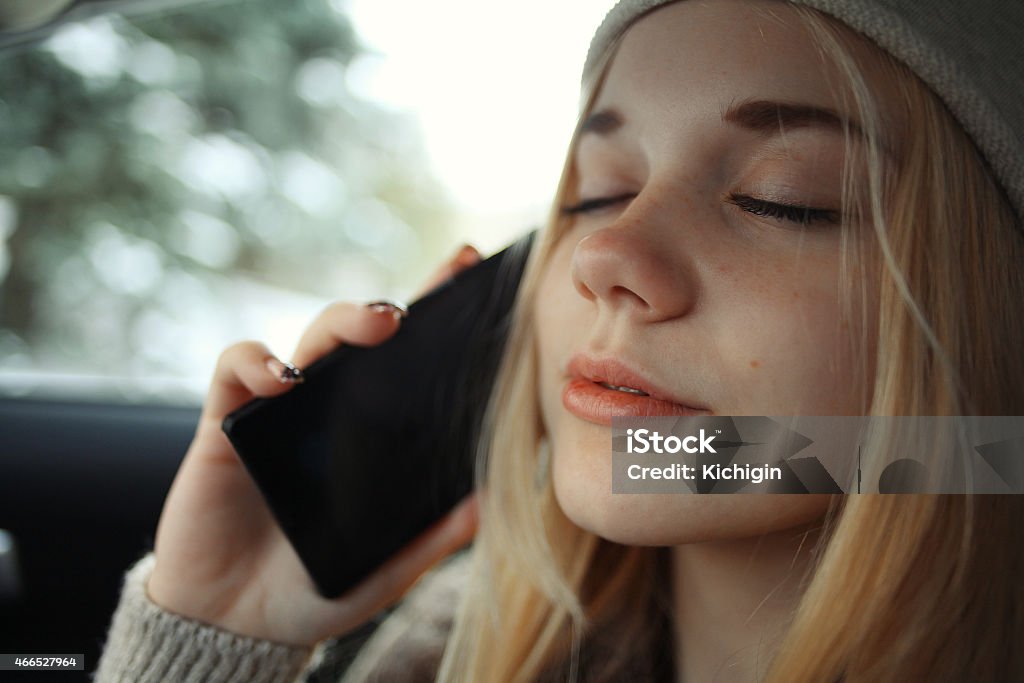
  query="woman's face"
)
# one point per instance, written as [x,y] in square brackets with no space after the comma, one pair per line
[687,273]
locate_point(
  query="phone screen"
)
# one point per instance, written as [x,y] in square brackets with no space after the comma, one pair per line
[379,443]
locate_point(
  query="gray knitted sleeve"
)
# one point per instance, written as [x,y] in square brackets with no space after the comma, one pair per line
[147,644]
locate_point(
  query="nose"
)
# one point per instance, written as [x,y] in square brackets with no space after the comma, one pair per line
[632,270]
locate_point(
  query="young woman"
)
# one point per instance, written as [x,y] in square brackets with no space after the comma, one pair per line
[767,209]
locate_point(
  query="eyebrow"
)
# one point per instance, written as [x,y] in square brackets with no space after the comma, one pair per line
[762,116]
[601,122]
[772,118]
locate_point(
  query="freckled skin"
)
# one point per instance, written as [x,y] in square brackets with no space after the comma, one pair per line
[733,311]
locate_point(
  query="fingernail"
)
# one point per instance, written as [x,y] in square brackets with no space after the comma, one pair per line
[468,255]
[397,310]
[285,373]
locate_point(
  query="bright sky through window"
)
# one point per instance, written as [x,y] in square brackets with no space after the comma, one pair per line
[495,86]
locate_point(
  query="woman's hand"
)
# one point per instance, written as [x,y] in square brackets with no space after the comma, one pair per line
[220,556]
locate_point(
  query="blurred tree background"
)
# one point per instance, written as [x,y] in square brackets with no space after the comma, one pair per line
[173,183]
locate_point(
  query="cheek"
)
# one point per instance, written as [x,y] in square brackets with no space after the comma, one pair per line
[794,366]
[793,350]
[559,326]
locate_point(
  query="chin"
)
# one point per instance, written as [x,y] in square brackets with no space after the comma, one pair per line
[630,519]
[581,473]
[582,482]
[635,519]
[678,519]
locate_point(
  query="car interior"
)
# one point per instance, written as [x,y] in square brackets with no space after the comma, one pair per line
[85,464]
[81,482]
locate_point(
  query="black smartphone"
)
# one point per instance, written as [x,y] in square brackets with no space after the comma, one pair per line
[379,443]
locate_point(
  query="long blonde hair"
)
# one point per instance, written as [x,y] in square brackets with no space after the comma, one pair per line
[905,587]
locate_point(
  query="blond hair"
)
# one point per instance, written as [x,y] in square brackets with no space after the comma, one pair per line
[921,587]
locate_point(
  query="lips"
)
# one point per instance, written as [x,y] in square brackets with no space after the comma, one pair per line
[628,390]
[599,390]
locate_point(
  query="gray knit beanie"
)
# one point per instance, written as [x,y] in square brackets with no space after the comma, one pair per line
[969,52]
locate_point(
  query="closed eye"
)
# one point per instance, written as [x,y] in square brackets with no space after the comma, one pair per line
[803,215]
[592,205]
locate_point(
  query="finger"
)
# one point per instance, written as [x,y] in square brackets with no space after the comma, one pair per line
[465,257]
[345,323]
[348,323]
[399,573]
[246,370]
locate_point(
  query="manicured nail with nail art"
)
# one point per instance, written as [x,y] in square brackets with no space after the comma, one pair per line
[397,310]
[285,373]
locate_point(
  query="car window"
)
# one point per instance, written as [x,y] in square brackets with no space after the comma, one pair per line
[171,183]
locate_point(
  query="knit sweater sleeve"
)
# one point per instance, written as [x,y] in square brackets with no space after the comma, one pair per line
[148,644]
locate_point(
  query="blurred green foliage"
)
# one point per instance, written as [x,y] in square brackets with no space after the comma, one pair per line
[149,165]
